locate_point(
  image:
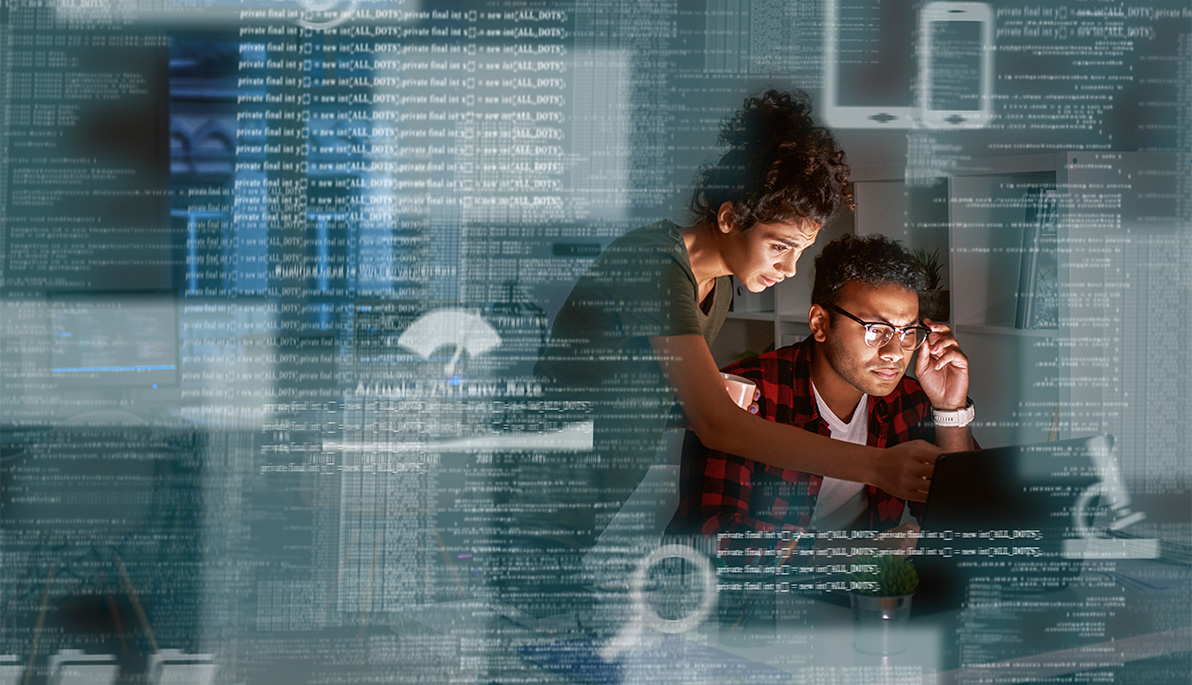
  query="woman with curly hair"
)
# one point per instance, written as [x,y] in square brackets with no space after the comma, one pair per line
[634,333]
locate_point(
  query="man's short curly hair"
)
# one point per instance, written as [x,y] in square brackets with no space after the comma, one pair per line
[781,166]
[874,260]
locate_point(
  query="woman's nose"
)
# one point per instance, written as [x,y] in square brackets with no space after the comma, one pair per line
[788,266]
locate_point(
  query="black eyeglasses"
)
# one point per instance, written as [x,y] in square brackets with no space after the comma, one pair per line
[878,334]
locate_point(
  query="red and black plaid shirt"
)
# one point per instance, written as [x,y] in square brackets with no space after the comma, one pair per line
[721,492]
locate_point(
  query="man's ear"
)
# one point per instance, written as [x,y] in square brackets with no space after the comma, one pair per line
[726,218]
[819,321]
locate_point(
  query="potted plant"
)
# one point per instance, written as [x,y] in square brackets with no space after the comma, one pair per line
[881,591]
[933,302]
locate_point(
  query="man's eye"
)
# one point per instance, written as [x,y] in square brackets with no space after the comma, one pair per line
[781,248]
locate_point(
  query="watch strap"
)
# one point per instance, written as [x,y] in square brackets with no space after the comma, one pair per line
[958,418]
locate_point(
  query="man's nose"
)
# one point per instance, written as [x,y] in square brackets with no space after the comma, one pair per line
[892,350]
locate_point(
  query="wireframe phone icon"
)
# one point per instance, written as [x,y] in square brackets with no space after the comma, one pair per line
[956,65]
[907,64]
[869,58]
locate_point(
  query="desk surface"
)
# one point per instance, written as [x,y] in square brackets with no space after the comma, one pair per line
[1095,625]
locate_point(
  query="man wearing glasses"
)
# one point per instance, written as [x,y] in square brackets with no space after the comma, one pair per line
[846,381]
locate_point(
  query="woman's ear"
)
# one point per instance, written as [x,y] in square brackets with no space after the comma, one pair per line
[819,322]
[726,218]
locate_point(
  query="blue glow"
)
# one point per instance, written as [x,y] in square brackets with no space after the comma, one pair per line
[455,380]
[101,369]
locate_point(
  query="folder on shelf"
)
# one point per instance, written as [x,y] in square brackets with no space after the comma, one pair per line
[1038,282]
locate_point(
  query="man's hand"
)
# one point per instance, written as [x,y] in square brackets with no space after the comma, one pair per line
[942,369]
[905,470]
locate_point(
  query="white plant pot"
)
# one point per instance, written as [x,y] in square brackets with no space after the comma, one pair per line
[879,623]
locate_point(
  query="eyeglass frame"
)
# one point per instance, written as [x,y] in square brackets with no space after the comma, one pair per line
[899,330]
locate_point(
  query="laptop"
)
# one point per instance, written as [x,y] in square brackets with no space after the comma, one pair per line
[1004,515]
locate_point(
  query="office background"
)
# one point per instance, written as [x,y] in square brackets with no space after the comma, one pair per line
[275,275]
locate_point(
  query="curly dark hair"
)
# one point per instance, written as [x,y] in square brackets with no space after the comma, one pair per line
[780,166]
[873,260]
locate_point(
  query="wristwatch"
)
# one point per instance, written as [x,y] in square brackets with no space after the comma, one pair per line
[959,417]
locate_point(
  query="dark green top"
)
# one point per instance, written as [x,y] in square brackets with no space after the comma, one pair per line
[640,287]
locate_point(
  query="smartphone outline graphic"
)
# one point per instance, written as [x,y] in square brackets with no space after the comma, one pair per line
[917,111]
[841,115]
[949,12]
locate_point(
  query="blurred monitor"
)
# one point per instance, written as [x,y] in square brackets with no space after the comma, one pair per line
[114,340]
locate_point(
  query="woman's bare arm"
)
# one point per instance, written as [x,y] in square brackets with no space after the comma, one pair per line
[903,470]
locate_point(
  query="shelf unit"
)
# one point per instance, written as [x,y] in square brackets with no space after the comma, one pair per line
[1116,363]
[1007,329]
[1034,385]
[752,316]
[976,217]
[787,322]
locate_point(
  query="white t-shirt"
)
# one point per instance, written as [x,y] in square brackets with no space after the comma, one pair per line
[841,502]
